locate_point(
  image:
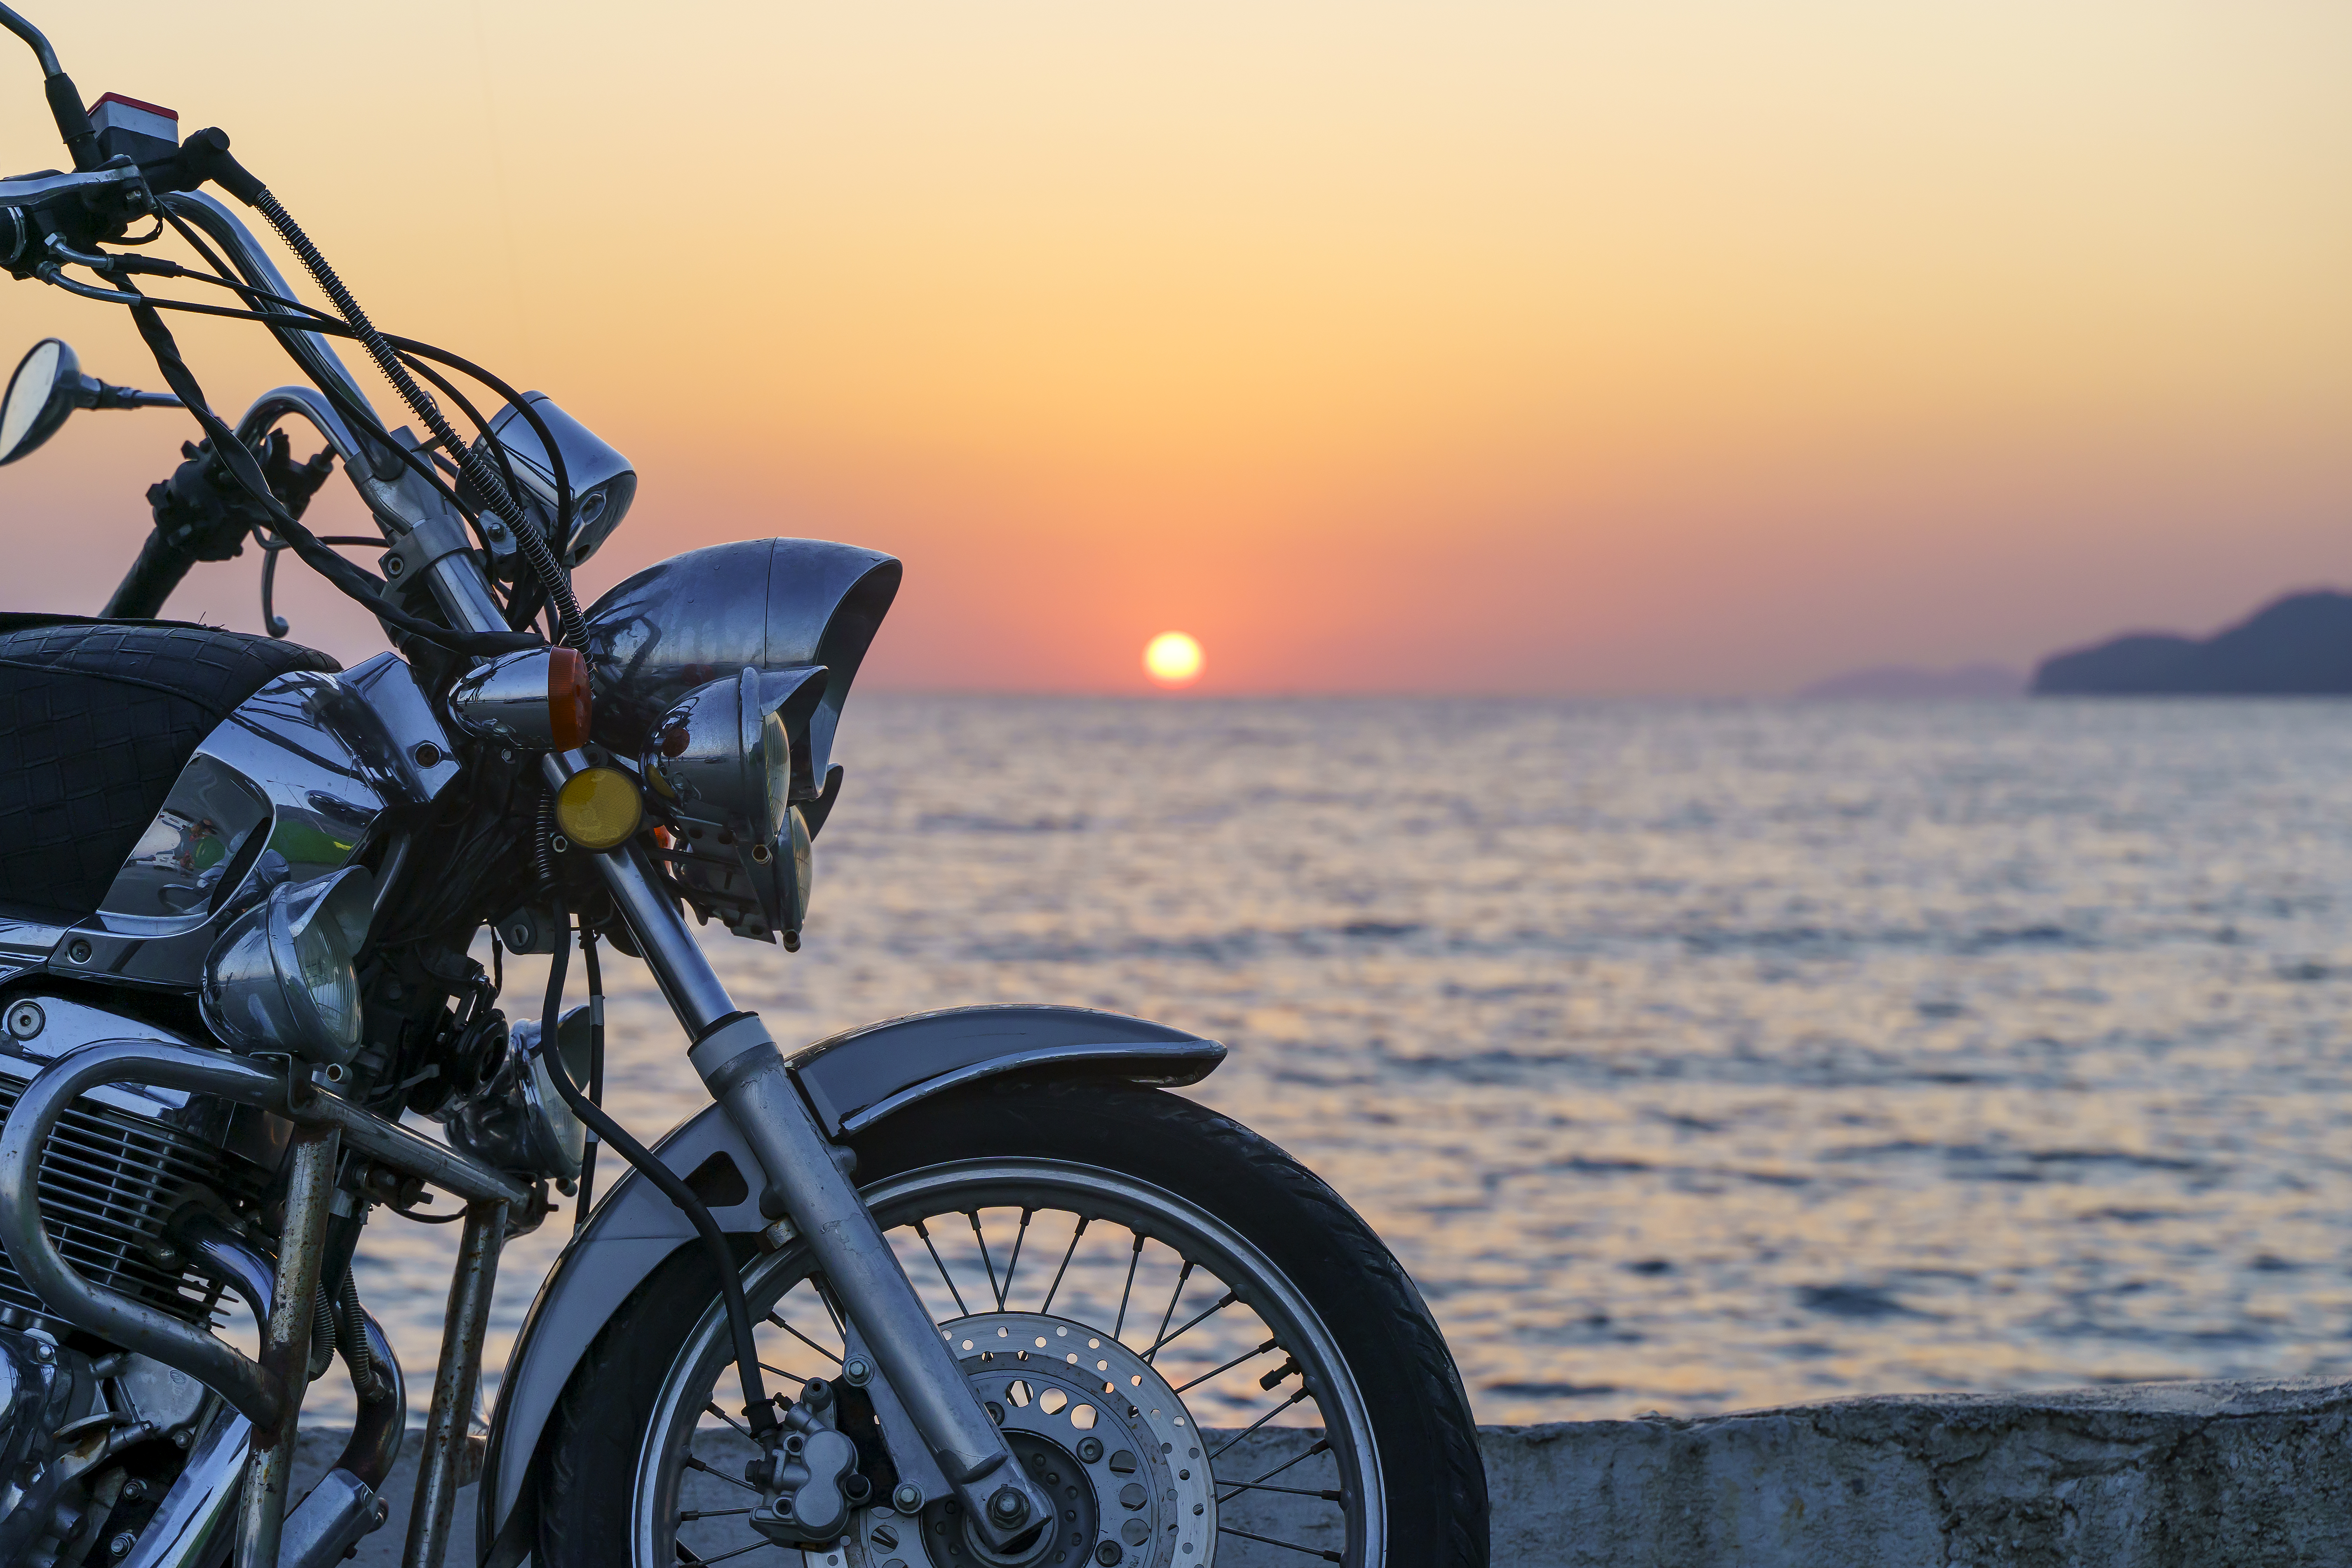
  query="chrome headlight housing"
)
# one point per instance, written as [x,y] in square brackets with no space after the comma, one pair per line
[603,482]
[283,976]
[722,770]
[723,754]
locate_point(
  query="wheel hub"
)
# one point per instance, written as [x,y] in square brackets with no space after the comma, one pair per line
[1097,1429]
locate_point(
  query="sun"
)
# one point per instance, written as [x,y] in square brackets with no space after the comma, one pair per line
[1172,659]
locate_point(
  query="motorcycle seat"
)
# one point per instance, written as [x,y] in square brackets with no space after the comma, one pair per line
[97,719]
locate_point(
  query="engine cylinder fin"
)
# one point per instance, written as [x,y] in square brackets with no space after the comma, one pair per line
[109,1182]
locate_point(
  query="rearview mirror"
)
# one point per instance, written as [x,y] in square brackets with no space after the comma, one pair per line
[48,384]
[45,389]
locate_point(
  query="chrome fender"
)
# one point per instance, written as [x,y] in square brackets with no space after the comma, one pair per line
[852,1081]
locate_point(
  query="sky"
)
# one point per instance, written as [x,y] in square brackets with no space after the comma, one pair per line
[1685,347]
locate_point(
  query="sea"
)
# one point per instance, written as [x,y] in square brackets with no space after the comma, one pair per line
[1692,1056]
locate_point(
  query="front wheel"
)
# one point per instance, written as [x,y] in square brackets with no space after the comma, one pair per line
[1187,1336]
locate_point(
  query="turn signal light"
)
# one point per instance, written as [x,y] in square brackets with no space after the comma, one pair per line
[537,699]
[567,698]
[599,808]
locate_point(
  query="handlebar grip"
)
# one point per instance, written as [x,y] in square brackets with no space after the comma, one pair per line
[150,579]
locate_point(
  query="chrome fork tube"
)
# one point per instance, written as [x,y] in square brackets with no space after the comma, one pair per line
[286,1348]
[746,1074]
[687,982]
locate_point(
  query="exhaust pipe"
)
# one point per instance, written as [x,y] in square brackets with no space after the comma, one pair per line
[198,1514]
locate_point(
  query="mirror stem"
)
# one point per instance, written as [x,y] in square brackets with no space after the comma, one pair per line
[34,40]
[97,394]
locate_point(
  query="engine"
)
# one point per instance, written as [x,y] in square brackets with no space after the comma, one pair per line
[92,1437]
[121,1164]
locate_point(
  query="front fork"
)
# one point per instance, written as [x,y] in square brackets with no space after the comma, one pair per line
[745,1072]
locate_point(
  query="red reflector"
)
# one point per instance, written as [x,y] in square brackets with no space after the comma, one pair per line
[129,103]
[567,698]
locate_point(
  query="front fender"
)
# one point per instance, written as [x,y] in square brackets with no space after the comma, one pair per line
[852,1081]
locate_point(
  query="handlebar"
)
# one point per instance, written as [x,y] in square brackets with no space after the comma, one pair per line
[65,103]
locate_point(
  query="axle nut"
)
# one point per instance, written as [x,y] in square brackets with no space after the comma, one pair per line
[1007,1506]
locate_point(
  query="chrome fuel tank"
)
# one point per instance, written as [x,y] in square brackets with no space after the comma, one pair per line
[286,788]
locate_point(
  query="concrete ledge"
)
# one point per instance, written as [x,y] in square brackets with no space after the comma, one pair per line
[2134,1476]
[2164,1475]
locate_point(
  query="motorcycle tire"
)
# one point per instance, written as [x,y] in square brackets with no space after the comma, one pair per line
[1151,1177]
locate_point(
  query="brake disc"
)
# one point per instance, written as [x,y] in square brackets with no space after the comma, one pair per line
[1097,1428]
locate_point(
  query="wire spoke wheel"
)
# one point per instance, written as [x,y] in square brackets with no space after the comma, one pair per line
[1190,1343]
[1106,1322]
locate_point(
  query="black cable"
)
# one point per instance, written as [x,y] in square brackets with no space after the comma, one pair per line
[595,1071]
[756,1408]
[522,406]
[34,41]
[534,547]
[473,415]
[353,580]
[521,607]
[197,242]
[322,322]
[362,418]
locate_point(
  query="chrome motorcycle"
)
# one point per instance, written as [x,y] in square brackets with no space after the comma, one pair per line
[965,1288]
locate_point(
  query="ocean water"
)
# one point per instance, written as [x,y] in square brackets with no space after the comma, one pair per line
[1692,1057]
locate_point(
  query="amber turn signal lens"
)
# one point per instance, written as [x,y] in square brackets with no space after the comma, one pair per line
[567,698]
[599,808]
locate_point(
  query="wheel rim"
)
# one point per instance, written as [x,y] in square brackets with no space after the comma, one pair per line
[1178,1302]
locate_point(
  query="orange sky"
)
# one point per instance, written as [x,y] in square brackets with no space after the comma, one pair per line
[1671,347]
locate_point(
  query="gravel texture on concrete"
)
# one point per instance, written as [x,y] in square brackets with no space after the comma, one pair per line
[2167,1474]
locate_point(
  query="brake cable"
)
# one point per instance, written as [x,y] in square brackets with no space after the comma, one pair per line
[756,1410]
[595,1070]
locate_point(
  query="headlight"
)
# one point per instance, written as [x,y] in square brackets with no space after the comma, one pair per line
[281,976]
[602,483]
[775,605]
[724,754]
[721,765]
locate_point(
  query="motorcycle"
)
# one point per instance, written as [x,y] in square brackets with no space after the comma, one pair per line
[963,1288]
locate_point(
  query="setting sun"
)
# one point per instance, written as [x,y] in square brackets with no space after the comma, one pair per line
[1172,659]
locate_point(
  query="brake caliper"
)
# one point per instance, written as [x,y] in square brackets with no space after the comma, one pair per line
[808,1478]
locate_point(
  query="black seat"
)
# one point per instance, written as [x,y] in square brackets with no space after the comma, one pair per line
[97,719]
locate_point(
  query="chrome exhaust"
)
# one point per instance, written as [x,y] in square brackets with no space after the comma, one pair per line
[197,1514]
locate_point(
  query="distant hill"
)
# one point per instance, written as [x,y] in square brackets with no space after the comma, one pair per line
[2301,645]
[1908,683]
